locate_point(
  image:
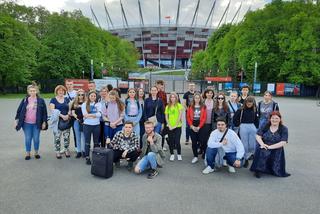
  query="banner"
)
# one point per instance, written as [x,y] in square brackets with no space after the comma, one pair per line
[79,83]
[271,87]
[228,86]
[257,88]
[291,89]
[280,89]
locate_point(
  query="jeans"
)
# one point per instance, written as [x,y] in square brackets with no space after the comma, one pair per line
[79,135]
[157,128]
[110,132]
[248,138]
[31,132]
[230,157]
[66,140]
[89,130]
[148,161]
[174,140]
[263,122]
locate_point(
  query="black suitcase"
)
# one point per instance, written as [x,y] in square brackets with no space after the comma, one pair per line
[102,162]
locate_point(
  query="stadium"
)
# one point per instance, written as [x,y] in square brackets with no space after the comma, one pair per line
[169,42]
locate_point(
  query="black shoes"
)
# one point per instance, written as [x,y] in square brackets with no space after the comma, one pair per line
[257,174]
[246,164]
[37,156]
[88,161]
[130,165]
[27,157]
[153,174]
[78,155]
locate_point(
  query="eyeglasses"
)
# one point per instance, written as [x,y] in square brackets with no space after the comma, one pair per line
[220,98]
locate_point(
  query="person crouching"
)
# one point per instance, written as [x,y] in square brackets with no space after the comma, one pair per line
[227,140]
[125,145]
[152,154]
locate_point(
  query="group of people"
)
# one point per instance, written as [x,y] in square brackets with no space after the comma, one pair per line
[224,133]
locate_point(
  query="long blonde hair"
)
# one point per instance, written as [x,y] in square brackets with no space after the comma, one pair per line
[75,103]
[120,104]
[177,99]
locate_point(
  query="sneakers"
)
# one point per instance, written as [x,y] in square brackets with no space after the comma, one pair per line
[37,156]
[78,155]
[207,170]
[179,158]
[231,169]
[224,163]
[153,174]
[194,160]
[27,157]
[171,158]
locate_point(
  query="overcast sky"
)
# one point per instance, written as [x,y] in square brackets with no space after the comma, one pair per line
[150,10]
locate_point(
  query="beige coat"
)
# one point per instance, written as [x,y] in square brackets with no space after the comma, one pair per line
[155,147]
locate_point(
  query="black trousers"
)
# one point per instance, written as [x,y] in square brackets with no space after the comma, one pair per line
[89,130]
[204,132]
[164,132]
[142,131]
[195,138]
[102,139]
[117,155]
[174,140]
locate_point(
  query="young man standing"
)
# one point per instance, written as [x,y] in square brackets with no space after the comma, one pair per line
[125,145]
[244,93]
[92,87]
[228,140]
[152,155]
[188,96]
[163,96]
[71,93]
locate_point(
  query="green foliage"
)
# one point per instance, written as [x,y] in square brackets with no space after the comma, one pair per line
[283,38]
[59,45]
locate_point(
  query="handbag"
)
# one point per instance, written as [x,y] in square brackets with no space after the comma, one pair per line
[153,119]
[64,124]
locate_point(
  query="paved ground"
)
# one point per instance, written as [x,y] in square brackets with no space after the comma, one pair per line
[66,186]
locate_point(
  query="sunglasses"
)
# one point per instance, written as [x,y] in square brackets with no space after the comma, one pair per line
[81,94]
[220,98]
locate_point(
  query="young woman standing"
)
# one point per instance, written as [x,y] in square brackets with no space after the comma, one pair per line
[196,118]
[133,111]
[31,116]
[234,105]
[248,120]
[91,111]
[76,113]
[113,115]
[141,98]
[265,107]
[173,114]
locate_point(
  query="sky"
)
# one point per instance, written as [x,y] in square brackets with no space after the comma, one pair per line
[150,10]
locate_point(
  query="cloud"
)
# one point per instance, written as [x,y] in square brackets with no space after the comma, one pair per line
[150,10]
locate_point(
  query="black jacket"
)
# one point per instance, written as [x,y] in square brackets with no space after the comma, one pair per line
[41,113]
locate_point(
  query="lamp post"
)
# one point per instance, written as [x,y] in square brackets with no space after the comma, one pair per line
[91,69]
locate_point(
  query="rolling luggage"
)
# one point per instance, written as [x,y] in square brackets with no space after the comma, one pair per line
[102,162]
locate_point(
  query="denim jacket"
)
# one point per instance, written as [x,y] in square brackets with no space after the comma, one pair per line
[41,114]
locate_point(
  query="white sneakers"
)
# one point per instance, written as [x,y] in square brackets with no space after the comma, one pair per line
[194,160]
[172,157]
[207,170]
[224,163]
[231,169]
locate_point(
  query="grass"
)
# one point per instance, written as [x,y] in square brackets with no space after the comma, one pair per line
[172,73]
[17,96]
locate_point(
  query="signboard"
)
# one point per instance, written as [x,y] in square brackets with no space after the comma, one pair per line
[280,89]
[219,79]
[291,89]
[79,83]
[271,87]
[228,86]
[257,88]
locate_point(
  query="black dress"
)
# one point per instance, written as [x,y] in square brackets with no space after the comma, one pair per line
[271,161]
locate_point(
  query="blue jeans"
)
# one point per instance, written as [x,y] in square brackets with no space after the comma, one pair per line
[31,132]
[211,153]
[79,137]
[263,122]
[148,161]
[248,138]
[110,132]
[157,128]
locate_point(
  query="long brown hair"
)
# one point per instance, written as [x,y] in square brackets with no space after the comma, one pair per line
[193,102]
[177,99]
[249,99]
[132,89]
[120,104]
[224,104]
[88,100]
